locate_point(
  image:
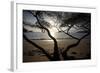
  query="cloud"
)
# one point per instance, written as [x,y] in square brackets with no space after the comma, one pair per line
[28,18]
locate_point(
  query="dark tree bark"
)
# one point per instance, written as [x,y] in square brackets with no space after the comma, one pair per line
[73,21]
[64,53]
[56,54]
[37,46]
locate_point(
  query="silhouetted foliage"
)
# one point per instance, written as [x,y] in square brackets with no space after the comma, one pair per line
[74,20]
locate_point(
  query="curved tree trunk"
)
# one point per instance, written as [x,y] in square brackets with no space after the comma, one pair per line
[56,54]
[42,49]
[64,53]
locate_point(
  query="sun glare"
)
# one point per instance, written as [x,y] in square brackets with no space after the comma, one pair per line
[53,34]
[53,31]
[53,28]
[51,22]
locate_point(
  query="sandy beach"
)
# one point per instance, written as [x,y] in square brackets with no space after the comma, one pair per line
[33,54]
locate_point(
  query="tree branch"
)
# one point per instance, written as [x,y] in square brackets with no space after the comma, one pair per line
[64,53]
[56,51]
[42,49]
[56,54]
[68,33]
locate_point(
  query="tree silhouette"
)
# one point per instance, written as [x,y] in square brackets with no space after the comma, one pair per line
[67,22]
[56,54]
[84,25]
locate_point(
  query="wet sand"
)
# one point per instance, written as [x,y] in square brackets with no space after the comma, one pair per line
[82,49]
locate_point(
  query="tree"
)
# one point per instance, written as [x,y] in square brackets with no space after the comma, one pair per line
[56,55]
[84,25]
[61,19]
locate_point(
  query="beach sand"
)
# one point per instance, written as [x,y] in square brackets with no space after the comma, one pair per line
[82,50]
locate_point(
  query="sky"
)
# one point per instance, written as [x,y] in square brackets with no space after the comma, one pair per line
[50,17]
[28,18]
[54,20]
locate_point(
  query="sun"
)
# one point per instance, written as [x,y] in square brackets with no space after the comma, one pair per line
[53,34]
[53,31]
[52,23]
[53,28]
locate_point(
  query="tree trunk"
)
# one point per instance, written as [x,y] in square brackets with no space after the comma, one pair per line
[42,49]
[56,54]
